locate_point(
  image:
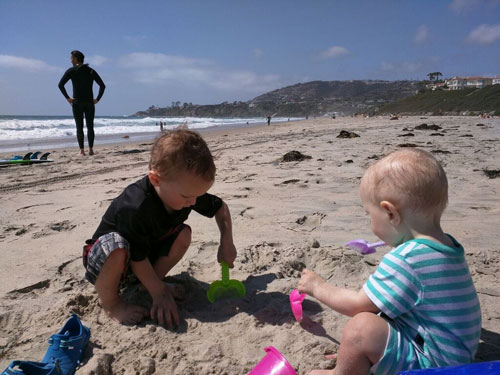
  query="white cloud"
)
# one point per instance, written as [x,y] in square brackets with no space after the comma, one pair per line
[422,34]
[25,64]
[96,60]
[160,69]
[484,34]
[257,53]
[333,52]
[460,6]
[463,6]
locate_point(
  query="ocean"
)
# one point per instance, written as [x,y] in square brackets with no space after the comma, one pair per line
[29,132]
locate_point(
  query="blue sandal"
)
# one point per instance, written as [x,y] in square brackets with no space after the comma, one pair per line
[67,347]
[32,368]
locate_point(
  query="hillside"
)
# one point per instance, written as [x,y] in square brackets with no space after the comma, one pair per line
[470,101]
[303,99]
[344,92]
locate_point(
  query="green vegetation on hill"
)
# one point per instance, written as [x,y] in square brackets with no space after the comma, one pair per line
[318,98]
[303,99]
[472,101]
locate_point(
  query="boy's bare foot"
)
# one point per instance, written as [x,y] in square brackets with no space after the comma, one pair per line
[127,313]
[91,152]
[82,152]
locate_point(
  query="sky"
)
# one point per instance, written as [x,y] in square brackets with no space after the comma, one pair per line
[156,52]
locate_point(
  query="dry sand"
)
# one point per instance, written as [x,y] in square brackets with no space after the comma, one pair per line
[286,215]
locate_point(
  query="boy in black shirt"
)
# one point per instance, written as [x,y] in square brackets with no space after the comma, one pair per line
[143,229]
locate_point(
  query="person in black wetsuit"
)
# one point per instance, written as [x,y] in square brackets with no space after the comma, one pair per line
[83,102]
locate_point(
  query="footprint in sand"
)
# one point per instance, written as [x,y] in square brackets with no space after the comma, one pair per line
[62,226]
[29,291]
[18,230]
[244,213]
[286,182]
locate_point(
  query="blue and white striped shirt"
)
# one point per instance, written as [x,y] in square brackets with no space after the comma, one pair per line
[427,289]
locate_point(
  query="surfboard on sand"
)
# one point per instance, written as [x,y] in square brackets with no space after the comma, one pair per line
[29,158]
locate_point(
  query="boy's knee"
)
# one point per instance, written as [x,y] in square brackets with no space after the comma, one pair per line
[118,256]
[183,239]
[112,268]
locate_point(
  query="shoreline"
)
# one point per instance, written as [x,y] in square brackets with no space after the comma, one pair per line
[70,142]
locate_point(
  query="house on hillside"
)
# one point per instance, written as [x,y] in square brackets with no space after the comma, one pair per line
[459,83]
[436,86]
[478,82]
[456,83]
[495,80]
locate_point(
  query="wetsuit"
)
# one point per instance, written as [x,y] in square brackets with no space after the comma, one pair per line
[83,77]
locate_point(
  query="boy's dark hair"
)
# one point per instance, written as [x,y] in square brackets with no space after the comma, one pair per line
[78,56]
[182,150]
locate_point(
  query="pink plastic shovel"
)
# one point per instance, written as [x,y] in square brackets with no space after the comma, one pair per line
[296,299]
[363,246]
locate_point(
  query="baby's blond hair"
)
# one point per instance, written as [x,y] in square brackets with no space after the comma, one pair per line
[410,178]
[182,150]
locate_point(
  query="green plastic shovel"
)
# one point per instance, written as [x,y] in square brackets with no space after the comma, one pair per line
[225,288]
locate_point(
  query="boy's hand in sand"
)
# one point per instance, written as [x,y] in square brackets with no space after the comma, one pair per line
[309,282]
[164,309]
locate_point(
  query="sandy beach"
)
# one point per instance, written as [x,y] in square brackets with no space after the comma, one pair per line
[286,216]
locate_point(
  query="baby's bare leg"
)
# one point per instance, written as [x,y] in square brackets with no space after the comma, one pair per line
[107,284]
[362,345]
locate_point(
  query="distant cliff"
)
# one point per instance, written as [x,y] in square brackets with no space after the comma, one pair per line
[300,100]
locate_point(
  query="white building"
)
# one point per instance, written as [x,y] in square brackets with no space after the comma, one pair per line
[456,83]
[495,80]
[459,83]
[478,82]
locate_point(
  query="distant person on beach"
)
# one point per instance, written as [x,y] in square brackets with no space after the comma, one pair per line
[143,231]
[268,120]
[161,126]
[420,308]
[83,102]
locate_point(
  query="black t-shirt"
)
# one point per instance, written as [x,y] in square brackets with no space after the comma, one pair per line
[82,77]
[138,214]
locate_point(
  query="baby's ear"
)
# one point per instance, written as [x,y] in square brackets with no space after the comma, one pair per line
[392,211]
[154,178]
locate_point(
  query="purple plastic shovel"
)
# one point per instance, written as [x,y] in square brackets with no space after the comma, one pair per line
[363,246]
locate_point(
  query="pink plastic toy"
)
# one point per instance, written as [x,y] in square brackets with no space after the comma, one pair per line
[274,363]
[296,299]
[364,247]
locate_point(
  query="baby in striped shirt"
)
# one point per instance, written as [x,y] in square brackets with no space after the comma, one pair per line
[420,308]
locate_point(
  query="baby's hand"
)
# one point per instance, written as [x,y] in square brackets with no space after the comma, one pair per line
[309,281]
